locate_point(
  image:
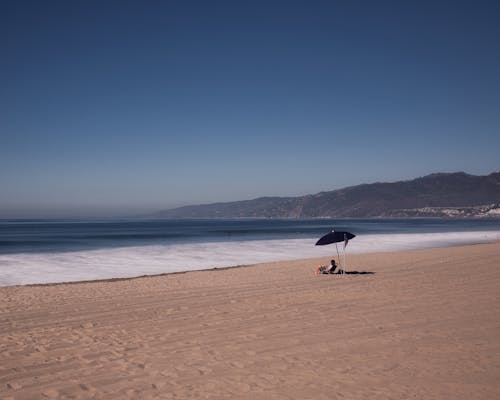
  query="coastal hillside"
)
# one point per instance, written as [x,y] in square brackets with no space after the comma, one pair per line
[436,195]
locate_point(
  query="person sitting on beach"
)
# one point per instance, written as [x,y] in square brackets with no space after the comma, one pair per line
[328,270]
[332,268]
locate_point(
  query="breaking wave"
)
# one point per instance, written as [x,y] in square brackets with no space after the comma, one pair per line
[106,263]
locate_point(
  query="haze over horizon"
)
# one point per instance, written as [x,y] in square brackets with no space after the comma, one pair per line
[119,108]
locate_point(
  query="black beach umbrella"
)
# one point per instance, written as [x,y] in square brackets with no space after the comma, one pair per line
[336,237]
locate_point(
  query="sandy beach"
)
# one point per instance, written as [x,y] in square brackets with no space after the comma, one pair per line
[424,324]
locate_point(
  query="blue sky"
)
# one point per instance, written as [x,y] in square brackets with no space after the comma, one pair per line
[121,107]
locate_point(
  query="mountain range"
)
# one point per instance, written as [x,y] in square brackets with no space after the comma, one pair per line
[435,195]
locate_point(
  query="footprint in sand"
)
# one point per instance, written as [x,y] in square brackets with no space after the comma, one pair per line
[269,378]
[51,393]
[152,372]
[14,385]
[237,364]
[169,374]
[215,355]
[158,385]
[122,365]
[141,365]
[204,370]
[243,387]
[88,389]
[132,393]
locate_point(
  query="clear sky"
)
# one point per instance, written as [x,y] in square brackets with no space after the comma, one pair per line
[120,107]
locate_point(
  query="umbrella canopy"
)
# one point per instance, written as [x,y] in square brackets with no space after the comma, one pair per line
[335,237]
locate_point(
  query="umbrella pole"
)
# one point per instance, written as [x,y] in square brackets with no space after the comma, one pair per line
[345,260]
[338,255]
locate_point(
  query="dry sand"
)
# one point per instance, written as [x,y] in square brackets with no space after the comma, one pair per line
[425,325]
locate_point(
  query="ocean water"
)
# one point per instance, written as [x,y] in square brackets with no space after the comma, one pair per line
[49,251]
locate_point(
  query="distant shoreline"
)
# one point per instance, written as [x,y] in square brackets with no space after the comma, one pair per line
[54,252]
[310,260]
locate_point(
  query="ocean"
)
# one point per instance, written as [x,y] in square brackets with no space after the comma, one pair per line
[50,251]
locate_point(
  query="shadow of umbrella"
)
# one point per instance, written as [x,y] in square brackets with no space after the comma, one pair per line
[337,237]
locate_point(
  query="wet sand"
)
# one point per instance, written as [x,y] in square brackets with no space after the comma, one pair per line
[425,324]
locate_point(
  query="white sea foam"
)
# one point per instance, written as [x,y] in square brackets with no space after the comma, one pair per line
[27,268]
